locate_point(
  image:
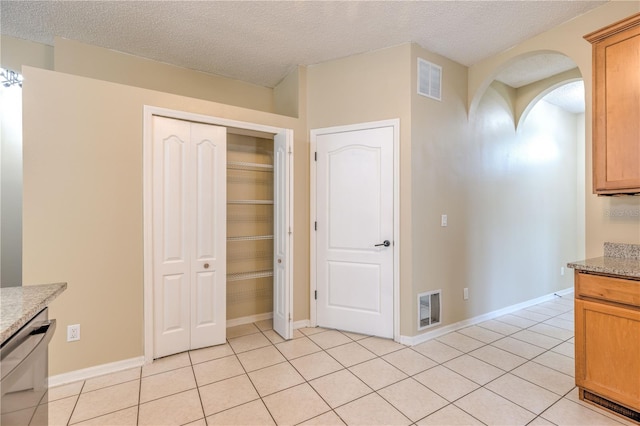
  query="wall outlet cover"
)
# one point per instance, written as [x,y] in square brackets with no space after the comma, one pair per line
[73,332]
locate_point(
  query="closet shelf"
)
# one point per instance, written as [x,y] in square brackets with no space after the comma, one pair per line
[256,167]
[245,218]
[249,275]
[249,256]
[251,238]
[255,202]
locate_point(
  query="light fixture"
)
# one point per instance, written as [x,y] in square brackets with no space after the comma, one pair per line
[9,78]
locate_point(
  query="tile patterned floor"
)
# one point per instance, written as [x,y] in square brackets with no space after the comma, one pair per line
[514,370]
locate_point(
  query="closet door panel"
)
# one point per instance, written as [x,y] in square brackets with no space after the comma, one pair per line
[209,216]
[282,266]
[171,236]
[175,291]
[205,309]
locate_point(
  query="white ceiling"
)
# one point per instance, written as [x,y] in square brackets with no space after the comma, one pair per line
[262,41]
[569,97]
[535,68]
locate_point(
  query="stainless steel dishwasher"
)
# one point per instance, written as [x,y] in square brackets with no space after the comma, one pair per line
[24,373]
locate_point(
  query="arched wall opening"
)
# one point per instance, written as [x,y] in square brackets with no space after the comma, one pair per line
[527,191]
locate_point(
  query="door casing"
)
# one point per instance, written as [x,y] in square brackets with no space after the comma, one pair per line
[395,123]
[148,113]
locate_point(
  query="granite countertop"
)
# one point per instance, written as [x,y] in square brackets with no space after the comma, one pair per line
[19,304]
[622,260]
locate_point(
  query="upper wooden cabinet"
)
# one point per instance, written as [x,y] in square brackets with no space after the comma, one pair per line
[616,107]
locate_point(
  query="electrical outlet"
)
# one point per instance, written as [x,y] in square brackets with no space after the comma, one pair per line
[73,332]
[443,220]
[465,293]
[562,270]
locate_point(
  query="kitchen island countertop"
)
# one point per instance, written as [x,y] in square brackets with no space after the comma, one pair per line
[19,304]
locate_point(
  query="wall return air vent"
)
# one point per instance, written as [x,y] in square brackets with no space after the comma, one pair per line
[429,79]
[429,309]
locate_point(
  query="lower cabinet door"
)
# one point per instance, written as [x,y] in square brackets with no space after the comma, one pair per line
[608,351]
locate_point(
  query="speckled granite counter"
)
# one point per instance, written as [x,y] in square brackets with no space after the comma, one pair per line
[621,260]
[19,304]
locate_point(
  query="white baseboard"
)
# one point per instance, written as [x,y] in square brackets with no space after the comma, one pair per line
[113,367]
[301,324]
[249,319]
[421,338]
[98,370]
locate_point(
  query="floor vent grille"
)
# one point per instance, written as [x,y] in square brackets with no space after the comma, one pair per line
[612,406]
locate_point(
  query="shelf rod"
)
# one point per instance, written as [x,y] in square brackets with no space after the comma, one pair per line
[251,238]
[249,275]
[256,202]
[242,165]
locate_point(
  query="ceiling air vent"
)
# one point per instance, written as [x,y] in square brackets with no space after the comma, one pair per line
[429,79]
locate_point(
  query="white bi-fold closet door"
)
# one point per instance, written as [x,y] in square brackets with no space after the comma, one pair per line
[186,232]
[189,235]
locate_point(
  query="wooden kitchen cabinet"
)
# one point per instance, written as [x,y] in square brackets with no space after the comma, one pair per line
[607,342]
[616,107]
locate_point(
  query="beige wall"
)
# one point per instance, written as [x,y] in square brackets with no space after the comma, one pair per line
[10,186]
[487,177]
[371,87]
[439,163]
[615,219]
[73,57]
[83,207]
[14,53]
[285,94]
[521,204]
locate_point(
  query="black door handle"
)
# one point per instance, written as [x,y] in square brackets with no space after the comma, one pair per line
[386,243]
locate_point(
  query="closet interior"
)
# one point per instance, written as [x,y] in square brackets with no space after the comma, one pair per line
[249,223]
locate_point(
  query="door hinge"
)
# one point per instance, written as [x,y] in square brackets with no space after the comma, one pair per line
[289,316]
[315,295]
[290,231]
[315,156]
[315,226]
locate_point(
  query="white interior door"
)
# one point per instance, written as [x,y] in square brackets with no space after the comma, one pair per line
[189,235]
[355,230]
[283,245]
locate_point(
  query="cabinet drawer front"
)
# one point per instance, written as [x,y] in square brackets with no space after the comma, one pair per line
[608,288]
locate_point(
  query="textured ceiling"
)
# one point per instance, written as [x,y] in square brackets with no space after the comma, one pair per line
[535,68]
[262,41]
[569,97]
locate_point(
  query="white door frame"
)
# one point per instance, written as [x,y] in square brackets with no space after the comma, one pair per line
[148,113]
[395,123]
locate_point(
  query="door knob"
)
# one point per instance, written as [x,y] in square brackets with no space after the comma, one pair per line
[206,266]
[385,243]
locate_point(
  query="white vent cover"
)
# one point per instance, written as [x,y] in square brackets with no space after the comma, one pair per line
[429,79]
[429,309]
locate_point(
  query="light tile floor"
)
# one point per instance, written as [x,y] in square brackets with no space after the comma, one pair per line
[513,370]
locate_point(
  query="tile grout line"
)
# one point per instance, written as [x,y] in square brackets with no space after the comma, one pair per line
[331,409]
[139,398]
[253,384]
[75,405]
[195,380]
